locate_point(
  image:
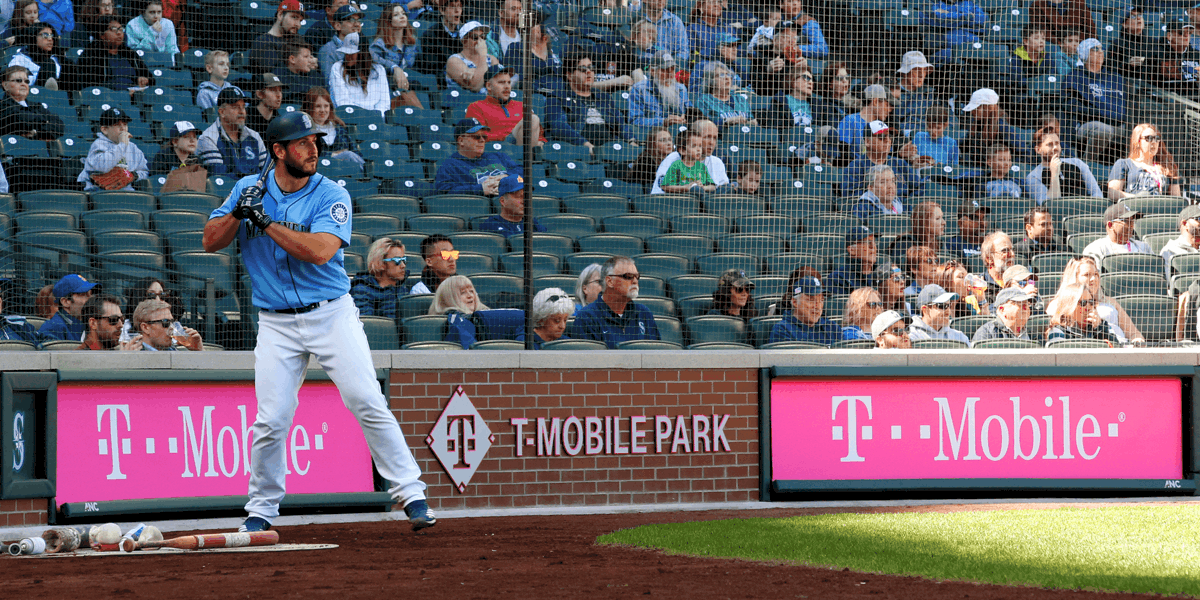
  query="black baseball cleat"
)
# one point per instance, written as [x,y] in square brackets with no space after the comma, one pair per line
[420,515]
[252,524]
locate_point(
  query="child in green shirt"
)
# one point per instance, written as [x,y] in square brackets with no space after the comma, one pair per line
[688,174]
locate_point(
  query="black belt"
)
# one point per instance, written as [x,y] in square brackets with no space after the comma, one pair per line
[300,310]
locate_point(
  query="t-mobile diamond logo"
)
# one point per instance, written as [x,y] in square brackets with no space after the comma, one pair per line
[459,439]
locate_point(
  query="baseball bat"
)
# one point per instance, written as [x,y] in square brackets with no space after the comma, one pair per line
[212,540]
[261,184]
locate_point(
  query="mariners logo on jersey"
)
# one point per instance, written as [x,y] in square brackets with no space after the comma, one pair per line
[340,213]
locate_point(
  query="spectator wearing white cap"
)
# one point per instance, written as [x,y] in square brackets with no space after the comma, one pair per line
[347,19]
[989,126]
[180,149]
[916,98]
[357,81]
[1118,239]
[659,100]
[1188,241]
[467,70]
[1094,99]
[937,310]
[1012,314]
[877,151]
[890,330]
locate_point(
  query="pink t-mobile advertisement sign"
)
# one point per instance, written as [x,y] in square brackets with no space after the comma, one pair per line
[976,428]
[127,441]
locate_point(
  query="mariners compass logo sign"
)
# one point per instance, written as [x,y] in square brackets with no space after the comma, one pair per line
[459,439]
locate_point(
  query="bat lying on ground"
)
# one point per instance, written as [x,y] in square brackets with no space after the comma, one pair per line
[206,541]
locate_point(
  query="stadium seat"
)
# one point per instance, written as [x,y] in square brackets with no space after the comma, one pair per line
[635,224]
[1079,241]
[1154,316]
[443,224]
[139,201]
[425,328]
[970,324]
[715,328]
[376,225]
[1083,224]
[1158,241]
[853,345]
[619,153]
[387,204]
[1051,263]
[191,241]
[827,245]
[1152,224]
[564,282]
[195,267]
[1158,205]
[578,261]
[686,286]
[734,205]
[1062,208]
[167,222]
[549,243]
[43,220]
[359,242]
[549,186]
[682,244]
[670,329]
[543,264]
[381,332]
[662,265]
[939,345]
[1122,284]
[750,243]
[719,262]
[612,243]
[501,344]
[134,265]
[1077,343]
[695,306]
[68,201]
[499,290]
[354,263]
[648,344]
[574,344]
[765,224]
[1004,343]
[800,206]
[59,248]
[597,206]
[660,306]
[827,222]
[1186,264]
[784,263]
[16,346]
[890,224]
[414,305]
[1132,262]
[707,225]
[482,242]
[613,186]
[666,205]
[118,241]
[221,185]
[760,329]
[459,205]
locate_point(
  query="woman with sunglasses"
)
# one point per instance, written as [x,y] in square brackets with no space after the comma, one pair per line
[1073,316]
[861,309]
[147,288]
[891,285]
[1149,170]
[1083,270]
[378,292]
[39,53]
[551,309]
[921,262]
[734,296]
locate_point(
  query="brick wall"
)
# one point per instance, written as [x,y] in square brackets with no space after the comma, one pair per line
[15,513]
[504,479]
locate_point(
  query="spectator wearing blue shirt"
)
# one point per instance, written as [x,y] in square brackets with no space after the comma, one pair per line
[806,323]
[708,28]
[862,252]
[13,327]
[551,309]
[933,142]
[672,35]
[511,219]
[876,107]
[614,317]
[812,41]
[71,292]
[1001,182]
[961,21]
[378,292]
[659,100]
[574,113]
[228,146]
[880,197]
[470,170]
[973,224]
[878,152]
[1094,101]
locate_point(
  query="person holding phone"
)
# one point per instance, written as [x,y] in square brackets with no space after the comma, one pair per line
[1133,46]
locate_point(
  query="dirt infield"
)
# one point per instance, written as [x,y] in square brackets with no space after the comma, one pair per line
[487,558]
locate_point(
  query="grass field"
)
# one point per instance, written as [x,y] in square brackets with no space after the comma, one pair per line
[1133,549]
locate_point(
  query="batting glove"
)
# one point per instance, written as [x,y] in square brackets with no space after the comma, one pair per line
[258,215]
[249,197]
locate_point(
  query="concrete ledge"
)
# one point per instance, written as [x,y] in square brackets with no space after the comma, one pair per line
[110,360]
[1127,357]
[25,361]
[226,361]
[698,359]
[581,359]
[981,358]
[832,358]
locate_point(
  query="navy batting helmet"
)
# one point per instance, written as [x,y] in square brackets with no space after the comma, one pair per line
[288,127]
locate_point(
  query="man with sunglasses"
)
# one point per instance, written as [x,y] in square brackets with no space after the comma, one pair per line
[153,320]
[1012,314]
[292,233]
[574,113]
[937,309]
[102,313]
[614,317]
[471,170]
[862,253]
[890,330]
[1188,241]
[1119,220]
[441,262]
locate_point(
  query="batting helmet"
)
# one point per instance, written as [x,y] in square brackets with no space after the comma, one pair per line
[288,127]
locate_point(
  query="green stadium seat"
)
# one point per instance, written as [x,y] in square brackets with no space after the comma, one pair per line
[140,201]
[119,241]
[564,282]
[573,344]
[1132,262]
[376,225]
[783,263]
[569,225]
[1158,205]
[482,242]
[597,206]
[499,290]
[381,332]
[666,205]
[648,345]
[1152,224]
[1005,343]
[619,153]
[578,261]
[707,225]
[853,345]
[768,285]
[167,222]
[459,205]
[734,205]
[890,224]
[67,201]
[577,171]
[970,324]
[827,245]
[430,224]
[354,263]
[719,262]
[543,264]
[414,305]
[750,243]
[1158,241]
[686,286]
[1006,208]
[1050,263]
[764,224]
[67,249]
[939,345]
[500,345]
[715,328]
[1062,208]
[660,306]
[194,201]
[683,244]
[470,263]
[17,346]
[44,220]
[1077,343]
[1079,241]
[760,329]
[549,243]
[1187,264]
[662,265]
[1124,284]
[432,346]
[670,329]
[612,243]
[387,204]
[635,224]
[1013,226]
[221,185]
[134,265]
[1083,224]
[425,328]
[719,346]
[801,206]
[695,306]
[609,185]
[793,346]
[359,243]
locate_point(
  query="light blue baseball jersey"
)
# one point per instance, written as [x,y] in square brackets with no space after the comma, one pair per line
[281,280]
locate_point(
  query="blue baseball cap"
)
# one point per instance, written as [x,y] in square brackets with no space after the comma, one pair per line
[469,126]
[72,284]
[808,286]
[511,184]
[857,234]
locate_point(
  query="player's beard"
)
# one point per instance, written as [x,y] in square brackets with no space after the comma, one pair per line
[298,171]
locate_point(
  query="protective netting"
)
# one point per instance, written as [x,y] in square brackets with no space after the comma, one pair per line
[933,124]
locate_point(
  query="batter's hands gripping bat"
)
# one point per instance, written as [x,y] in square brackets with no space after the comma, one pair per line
[212,540]
[253,194]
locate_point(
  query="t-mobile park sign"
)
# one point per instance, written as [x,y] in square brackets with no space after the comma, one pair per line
[461,437]
[976,428]
[130,440]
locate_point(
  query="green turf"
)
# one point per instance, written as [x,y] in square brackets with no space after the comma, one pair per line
[1132,549]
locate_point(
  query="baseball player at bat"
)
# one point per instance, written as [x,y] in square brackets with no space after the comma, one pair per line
[291,241]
